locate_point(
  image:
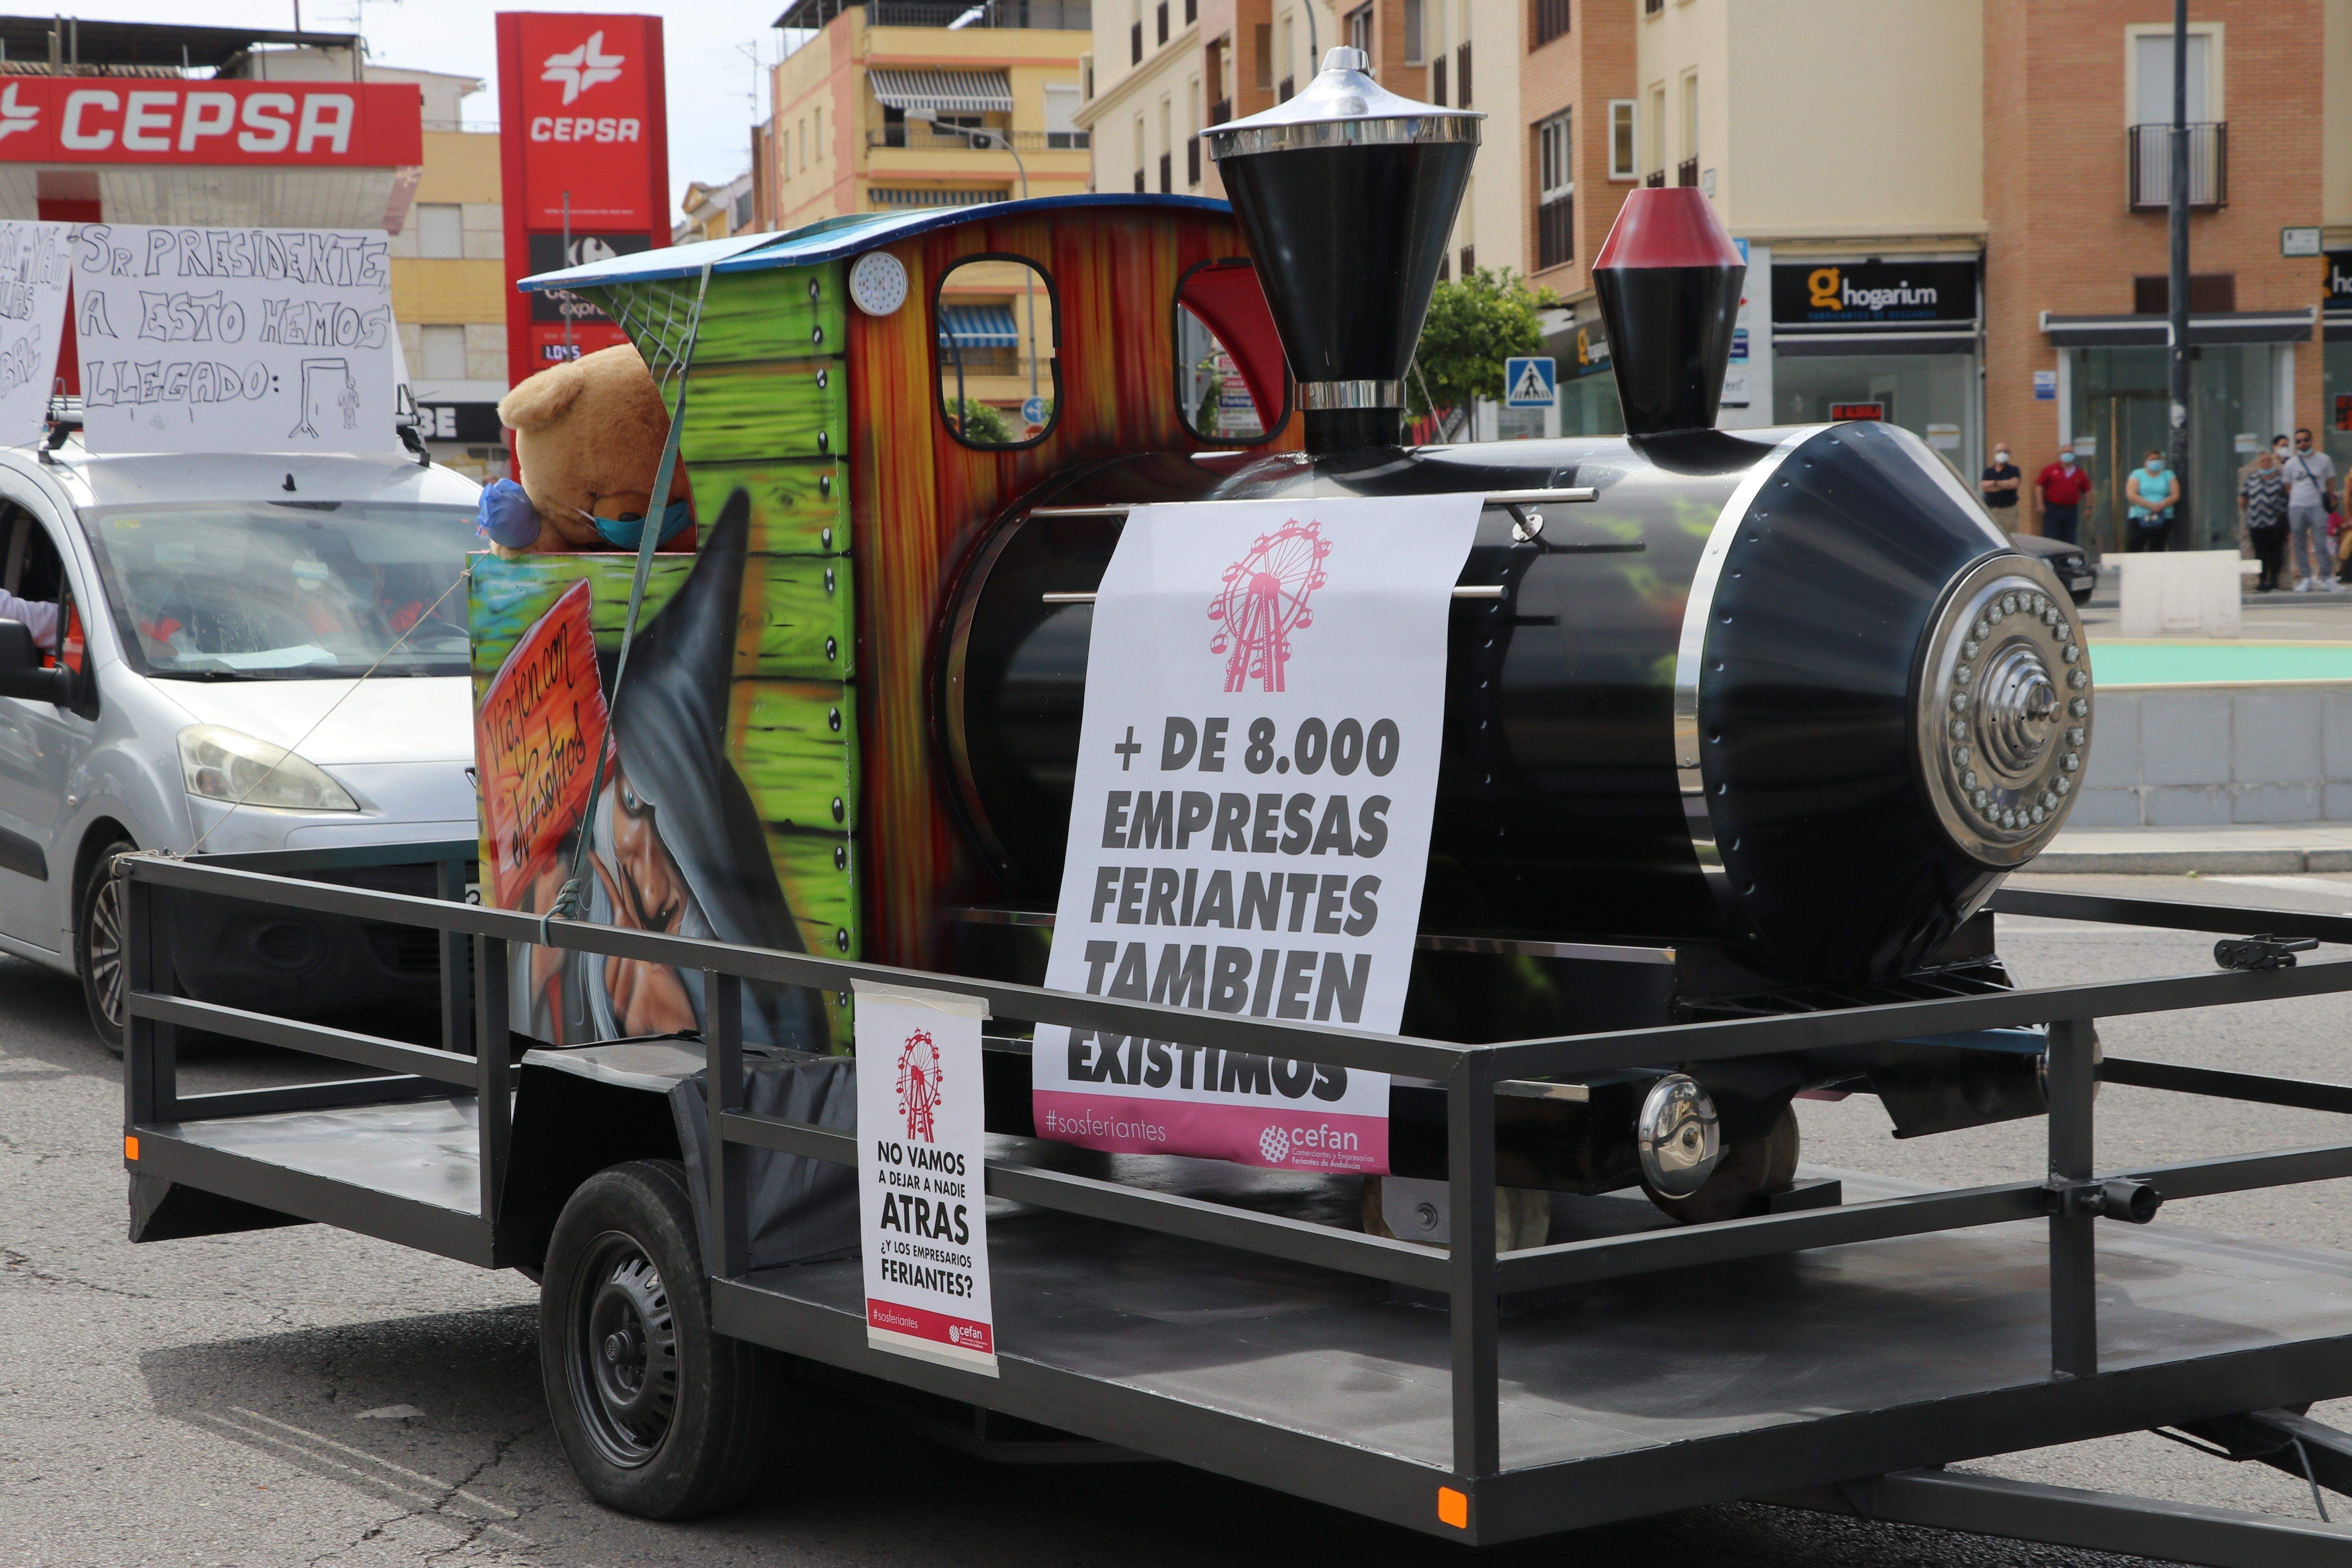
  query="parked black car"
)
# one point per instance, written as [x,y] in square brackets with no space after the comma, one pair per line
[2069,560]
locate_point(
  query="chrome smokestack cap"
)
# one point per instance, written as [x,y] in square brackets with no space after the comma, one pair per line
[1347,194]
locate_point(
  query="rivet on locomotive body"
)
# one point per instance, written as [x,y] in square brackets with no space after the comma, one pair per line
[840,809]
[832,649]
[2072,653]
[1962,675]
[2078,707]
[841,858]
[825,488]
[828,577]
[1982,629]
[821,378]
[2062,785]
[2078,679]
[825,538]
[833,717]
[2076,736]
[2071,761]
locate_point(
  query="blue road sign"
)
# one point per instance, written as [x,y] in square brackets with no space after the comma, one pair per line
[1032,411]
[1529,382]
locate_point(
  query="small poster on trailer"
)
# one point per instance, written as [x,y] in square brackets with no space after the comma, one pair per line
[1250,827]
[922,1202]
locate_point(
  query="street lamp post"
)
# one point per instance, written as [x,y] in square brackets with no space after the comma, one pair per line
[1028,290]
[2177,450]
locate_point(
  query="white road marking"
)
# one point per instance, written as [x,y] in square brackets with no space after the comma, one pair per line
[433,1506]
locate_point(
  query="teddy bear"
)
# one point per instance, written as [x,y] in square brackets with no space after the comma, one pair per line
[588,438]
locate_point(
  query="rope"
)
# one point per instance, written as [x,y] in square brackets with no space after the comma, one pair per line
[566,902]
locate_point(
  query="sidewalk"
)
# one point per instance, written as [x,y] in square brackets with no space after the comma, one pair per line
[2287,847]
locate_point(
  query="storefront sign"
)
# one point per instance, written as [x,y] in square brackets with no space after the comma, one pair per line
[472,422]
[106,119]
[235,340]
[585,120]
[1857,411]
[36,259]
[1874,293]
[1250,828]
[922,1204]
[2340,280]
[2299,241]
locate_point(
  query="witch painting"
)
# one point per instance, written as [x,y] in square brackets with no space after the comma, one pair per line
[675,844]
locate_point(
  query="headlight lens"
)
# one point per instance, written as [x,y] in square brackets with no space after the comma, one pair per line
[217,762]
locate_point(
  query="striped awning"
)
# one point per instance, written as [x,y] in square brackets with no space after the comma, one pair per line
[945,93]
[978,326]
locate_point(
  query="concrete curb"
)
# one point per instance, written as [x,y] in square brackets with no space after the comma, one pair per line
[2220,860]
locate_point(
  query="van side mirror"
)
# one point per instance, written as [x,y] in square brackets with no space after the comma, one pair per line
[21,672]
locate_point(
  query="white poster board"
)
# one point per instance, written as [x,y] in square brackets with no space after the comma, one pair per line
[1257,777]
[235,340]
[34,262]
[923,1205]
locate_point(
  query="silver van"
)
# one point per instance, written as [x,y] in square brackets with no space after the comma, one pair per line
[218,613]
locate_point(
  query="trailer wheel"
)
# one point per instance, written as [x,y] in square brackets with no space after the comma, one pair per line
[1751,1169]
[660,1416]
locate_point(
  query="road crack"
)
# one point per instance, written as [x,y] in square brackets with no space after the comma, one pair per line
[17,1262]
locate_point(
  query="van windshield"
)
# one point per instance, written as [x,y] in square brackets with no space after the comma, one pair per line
[286,590]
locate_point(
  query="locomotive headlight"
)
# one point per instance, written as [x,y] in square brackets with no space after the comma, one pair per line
[1677,1137]
[2003,711]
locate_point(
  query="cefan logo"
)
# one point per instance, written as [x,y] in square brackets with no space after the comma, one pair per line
[1264,600]
[14,116]
[580,68]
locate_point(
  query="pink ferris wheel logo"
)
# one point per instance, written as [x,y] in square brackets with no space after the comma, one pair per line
[918,1085]
[1264,600]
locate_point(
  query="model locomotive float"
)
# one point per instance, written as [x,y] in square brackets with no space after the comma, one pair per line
[1736,723]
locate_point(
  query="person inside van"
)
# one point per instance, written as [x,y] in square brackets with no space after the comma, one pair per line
[40,618]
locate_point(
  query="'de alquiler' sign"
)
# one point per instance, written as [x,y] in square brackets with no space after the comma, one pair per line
[1265,689]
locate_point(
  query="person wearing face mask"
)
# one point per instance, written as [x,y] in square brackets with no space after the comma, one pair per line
[2149,496]
[2310,476]
[2063,485]
[2001,483]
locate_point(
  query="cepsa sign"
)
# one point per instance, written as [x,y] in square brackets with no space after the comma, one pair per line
[591,103]
[83,120]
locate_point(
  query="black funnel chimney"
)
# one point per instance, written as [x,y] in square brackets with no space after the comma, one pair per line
[1668,278]
[1347,194]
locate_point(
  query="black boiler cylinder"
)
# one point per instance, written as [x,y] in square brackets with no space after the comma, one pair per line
[1788,690]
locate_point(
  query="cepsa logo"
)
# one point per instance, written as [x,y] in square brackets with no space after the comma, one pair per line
[577,70]
[87,120]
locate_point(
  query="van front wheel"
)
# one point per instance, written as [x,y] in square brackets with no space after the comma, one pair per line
[99,950]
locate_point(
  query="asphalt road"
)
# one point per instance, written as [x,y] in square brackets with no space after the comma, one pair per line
[224,1401]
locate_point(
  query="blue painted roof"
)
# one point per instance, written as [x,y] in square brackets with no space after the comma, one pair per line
[833,238]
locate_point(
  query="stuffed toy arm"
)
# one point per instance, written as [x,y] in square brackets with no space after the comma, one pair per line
[507,516]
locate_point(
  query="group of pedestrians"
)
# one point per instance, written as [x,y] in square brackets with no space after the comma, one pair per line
[2285,500]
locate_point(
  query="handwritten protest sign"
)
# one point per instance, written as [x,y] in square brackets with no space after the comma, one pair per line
[228,339]
[537,735]
[34,261]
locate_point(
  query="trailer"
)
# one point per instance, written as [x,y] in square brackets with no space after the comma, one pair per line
[1836,1355]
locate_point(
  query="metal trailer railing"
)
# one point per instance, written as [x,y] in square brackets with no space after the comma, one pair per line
[1471,1276]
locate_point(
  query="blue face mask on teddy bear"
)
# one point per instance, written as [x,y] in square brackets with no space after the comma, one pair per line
[508,517]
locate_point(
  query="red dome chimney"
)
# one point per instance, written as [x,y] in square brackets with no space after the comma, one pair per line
[1668,279]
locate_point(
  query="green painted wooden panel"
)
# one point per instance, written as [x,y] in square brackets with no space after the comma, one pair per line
[795,744]
[816,871]
[809,632]
[504,598]
[797,508]
[750,412]
[788,313]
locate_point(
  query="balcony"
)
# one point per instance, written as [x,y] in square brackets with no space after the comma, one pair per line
[1074,15]
[1686,172]
[1556,232]
[1193,160]
[1167,174]
[1135,44]
[918,136]
[1221,111]
[2150,150]
[1655,179]
[1163,21]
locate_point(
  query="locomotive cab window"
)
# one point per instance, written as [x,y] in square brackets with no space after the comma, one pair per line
[1232,384]
[1000,385]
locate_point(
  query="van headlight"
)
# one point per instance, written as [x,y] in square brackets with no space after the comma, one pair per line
[217,762]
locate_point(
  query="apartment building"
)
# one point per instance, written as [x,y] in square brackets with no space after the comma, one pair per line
[1954,213]
[887,104]
[714,212]
[448,280]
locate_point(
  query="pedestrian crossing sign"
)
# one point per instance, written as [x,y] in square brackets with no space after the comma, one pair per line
[1529,382]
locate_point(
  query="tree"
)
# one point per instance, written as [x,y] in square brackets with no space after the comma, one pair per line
[981,424]
[1472,327]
